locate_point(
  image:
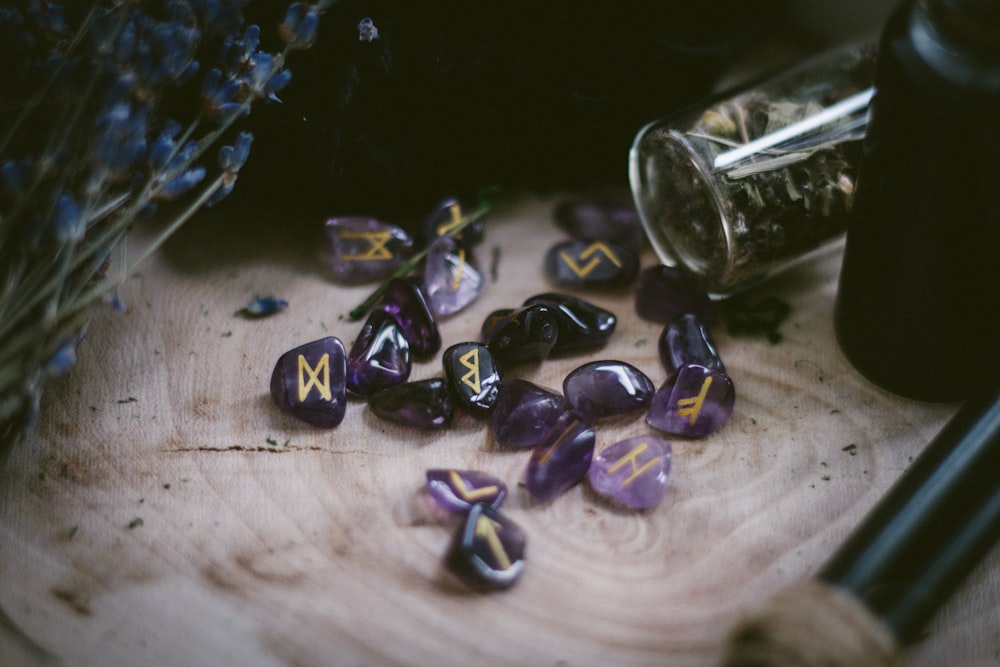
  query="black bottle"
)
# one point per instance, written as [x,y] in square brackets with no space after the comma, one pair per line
[918,304]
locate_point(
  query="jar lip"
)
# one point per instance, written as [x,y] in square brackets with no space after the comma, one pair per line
[714,278]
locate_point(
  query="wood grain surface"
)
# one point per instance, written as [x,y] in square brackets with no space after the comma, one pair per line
[165,513]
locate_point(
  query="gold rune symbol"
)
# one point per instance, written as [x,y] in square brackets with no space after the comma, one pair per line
[467,494]
[378,241]
[589,253]
[322,385]
[458,271]
[487,529]
[471,361]
[456,219]
[692,405]
[630,459]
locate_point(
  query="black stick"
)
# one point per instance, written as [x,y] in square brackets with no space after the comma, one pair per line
[933,526]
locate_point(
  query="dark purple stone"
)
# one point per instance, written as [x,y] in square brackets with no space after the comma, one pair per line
[447,215]
[365,249]
[582,325]
[601,219]
[493,321]
[525,335]
[452,279]
[662,293]
[379,357]
[309,382]
[632,472]
[686,341]
[562,458]
[422,403]
[591,264]
[405,301]
[524,413]
[693,402]
[487,552]
[473,378]
[458,490]
[607,388]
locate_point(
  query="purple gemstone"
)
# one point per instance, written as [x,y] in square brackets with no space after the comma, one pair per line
[493,321]
[452,280]
[446,216]
[582,325]
[423,403]
[686,341]
[309,382]
[487,552]
[405,301]
[365,249]
[602,219]
[632,472]
[590,264]
[694,402]
[607,388]
[562,458]
[524,413]
[379,357]
[663,292]
[473,378]
[458,490]
[525,335]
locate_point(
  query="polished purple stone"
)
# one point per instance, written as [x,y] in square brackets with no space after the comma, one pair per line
[562,458]
[612,219]
[421,403]
[365,249]
[590,264]
[693,402]
[607,388]
[686,340]
[524,413]
[309,382]
[458,490]
[632,472]
[526,335]
[379,357]
[662,293]
[487,552]
[447,215]
[473,377]
[452,279]
[582,325]
[405,301]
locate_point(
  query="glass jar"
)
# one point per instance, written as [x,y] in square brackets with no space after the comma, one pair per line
[740,188]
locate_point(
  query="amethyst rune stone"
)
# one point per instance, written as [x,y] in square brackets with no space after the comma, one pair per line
[607,388]
[487,552]
[473,378]
[693,402]
[632,472]
[686,341]
[405,301]
[451,279]
[458,490]
[591,264]
[379,357]
[606,219]
[423,403]
[525,335]
[309,382]
[449,214]
[524,413]
[562,458]
[662,293]
[365,249]
[582,325]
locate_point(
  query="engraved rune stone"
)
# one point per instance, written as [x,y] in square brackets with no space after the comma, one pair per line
[365,249]
[309,382]
[487,552]
[458,490]
[632,472]
[473,378]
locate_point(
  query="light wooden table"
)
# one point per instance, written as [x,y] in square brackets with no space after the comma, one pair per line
[164,513]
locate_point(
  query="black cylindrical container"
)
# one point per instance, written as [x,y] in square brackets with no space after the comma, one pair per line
[917,305]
